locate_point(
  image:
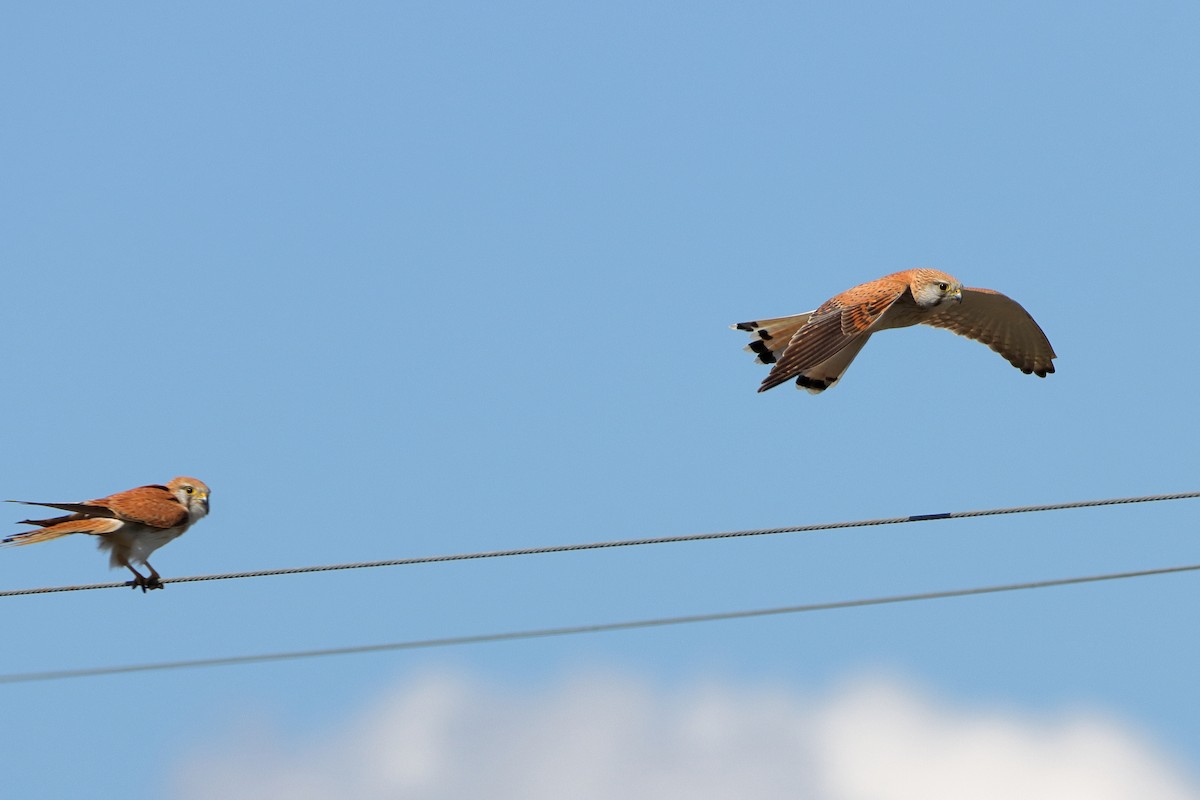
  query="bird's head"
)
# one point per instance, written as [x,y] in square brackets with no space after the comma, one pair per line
[193,493]
[931,288]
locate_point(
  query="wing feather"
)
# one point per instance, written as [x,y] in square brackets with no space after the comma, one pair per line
[820,377]
[87,508]
[836,324]
[1003,325]
[153,505]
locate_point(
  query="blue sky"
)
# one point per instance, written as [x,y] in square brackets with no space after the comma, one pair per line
[407,279]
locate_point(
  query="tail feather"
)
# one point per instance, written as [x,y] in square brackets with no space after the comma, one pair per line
[819,378]
[62,526]
[33,537]
[770,337]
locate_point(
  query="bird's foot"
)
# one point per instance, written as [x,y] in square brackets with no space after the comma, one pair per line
[144,583]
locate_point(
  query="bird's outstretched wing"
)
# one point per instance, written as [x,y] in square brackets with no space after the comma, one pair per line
[1002,324]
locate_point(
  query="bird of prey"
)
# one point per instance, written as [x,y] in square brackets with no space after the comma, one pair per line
[131,524]
[816,348]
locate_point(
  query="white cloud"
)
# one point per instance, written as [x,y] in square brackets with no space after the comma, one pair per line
[600,736]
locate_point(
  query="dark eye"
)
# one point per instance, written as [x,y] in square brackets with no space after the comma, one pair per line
[943,286]
[189,490]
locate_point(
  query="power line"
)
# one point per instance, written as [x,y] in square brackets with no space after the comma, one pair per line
[567,548]
[606,627]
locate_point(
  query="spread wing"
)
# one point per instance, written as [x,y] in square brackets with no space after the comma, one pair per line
[836,324]
[1002,324]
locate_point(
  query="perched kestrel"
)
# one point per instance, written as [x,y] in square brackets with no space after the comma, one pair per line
[817,347]
[132,524]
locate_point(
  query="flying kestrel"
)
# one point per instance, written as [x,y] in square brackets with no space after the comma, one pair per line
[817,347]
[132,524]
